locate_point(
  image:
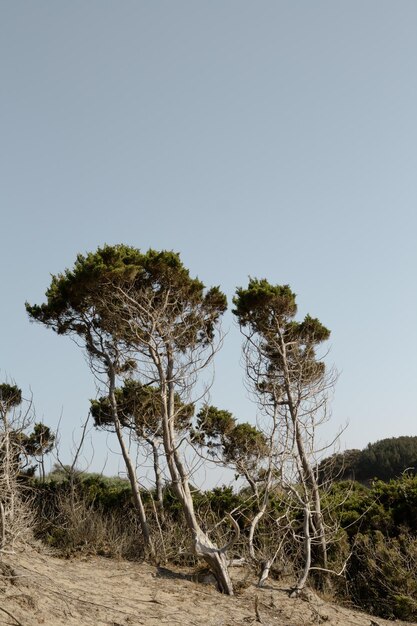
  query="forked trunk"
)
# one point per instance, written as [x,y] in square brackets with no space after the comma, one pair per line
[215,559]
[266,567]
[202,546]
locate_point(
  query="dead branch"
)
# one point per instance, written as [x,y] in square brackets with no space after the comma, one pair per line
[11,615]
[235,536]
[257,613]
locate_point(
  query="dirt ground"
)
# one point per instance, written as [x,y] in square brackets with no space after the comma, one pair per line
[38,588]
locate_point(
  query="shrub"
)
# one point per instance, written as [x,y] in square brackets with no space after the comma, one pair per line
[381,575]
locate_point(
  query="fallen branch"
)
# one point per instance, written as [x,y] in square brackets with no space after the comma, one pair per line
[257,613]
[234,538]
[11,615]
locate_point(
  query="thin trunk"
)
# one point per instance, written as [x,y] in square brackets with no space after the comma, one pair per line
[202,546]
[306,465]
[252,484]
[264,575]
[9,471]
[42,468]
[158,477]
[317,516]
[3,527]
[260,513]
[137,498]
[307,553]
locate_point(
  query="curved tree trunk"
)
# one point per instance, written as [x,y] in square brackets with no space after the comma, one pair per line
[202,545]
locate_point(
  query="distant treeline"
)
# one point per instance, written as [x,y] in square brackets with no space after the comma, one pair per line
[384,460]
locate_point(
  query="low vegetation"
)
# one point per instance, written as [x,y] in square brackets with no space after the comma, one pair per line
[346,524]
[375,551]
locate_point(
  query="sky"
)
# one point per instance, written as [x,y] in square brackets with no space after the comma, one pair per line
[272,139]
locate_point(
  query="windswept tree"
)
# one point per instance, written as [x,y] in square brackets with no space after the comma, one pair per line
[16,445]
[140,411]
[36,445]
[77,305]
[246,449]
[238,445]
[290,384]
[144,312]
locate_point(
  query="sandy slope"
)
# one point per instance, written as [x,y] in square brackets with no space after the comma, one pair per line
[37,588]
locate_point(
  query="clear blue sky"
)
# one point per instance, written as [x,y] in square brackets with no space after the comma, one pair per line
[273,139]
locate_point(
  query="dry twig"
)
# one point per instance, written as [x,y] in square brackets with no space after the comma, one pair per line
[11,615]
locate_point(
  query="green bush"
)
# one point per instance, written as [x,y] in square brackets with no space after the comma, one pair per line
[382,575]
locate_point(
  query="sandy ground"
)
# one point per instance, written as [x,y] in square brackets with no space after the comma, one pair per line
[38,588]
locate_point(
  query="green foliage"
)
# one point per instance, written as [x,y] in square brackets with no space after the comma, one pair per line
[261,304]
[339,466]
[380,523]
[22,444]
[239,444]
[215,423]
[382,576]
[10,396]
[219,501]
[387,458]
[386,507]
[268,312]
[107,492]
[245,444]
[77,512]
[140,408]
[266,308]
[40,441]
[73,290]
[352,502]
[384,460]
[86,298]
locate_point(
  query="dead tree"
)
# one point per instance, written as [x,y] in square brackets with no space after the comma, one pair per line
[291,386]
[14,421]
[76,305]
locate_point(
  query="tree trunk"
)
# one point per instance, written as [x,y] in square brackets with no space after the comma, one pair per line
[202,546]
[308,474]
[158,478]
[312,482]
[307,553]
[215,559]
[263,577]
[137,498]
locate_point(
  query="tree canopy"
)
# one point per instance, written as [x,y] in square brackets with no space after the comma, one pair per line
[140,409]
[143,312]
[75,303]
[238,444]
[267,312]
